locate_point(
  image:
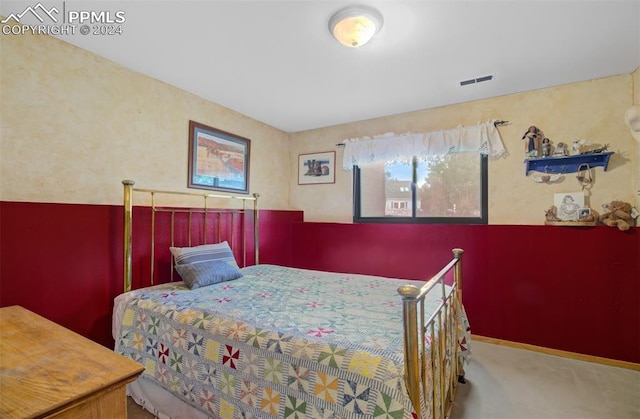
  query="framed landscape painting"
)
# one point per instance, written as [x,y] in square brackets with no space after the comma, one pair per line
[218,160]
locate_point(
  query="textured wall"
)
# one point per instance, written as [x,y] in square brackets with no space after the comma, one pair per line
[636,86]
[636,101]
[73,125]
[592,110]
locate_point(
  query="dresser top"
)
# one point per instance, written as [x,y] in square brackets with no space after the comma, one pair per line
[44,366]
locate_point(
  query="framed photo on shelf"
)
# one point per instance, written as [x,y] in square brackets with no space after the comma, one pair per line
[583,212]
[218,160]
[568,205]
[317,168]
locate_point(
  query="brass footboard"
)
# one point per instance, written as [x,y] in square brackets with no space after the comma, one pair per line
[435,362]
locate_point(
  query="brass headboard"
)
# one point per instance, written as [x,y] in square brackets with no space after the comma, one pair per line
[204,210]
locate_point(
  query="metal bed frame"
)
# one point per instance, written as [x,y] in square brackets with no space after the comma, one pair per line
[439,356]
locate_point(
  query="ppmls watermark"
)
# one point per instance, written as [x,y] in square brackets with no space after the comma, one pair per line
[63,20]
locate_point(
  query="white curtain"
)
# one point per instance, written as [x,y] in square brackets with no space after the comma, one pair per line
[482,138]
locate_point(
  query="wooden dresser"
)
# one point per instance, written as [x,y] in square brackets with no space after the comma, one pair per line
[49,371]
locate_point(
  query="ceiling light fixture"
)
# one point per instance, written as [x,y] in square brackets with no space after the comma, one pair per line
[354,26]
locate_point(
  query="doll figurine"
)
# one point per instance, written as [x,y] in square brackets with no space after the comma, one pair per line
[546,147]
[532,141]
[561,150]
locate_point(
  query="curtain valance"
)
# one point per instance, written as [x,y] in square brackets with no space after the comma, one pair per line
[482,138]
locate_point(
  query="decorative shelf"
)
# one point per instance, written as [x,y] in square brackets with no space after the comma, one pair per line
[571,223]
[567,164]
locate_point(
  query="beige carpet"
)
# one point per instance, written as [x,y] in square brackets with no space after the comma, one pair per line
[517,384]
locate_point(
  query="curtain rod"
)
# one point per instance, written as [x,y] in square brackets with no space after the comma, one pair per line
[495,124]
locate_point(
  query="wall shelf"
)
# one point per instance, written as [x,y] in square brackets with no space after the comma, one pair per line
[567,164]
[571,223]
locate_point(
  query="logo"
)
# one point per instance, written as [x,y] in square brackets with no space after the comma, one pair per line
[34,11]
[69,22]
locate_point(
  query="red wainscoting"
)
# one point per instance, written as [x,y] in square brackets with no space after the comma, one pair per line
[573,289]
[567,288]
[64,261]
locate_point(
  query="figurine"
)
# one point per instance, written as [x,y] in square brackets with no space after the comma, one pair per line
[532,141]
[561,150]
[597,150]
[546,147]
[577,145]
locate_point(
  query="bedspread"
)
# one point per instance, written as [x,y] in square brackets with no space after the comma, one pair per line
[278,342]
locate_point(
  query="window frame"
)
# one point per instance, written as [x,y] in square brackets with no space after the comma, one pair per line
[484,204]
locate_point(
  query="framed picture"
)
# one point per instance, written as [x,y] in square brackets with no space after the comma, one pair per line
[583,212]
[218,160]
[317,168]
[568,205]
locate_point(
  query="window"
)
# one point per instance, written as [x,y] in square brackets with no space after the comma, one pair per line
[446,189]
[446,183]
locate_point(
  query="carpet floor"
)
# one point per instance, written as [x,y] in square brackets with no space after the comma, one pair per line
[504,382]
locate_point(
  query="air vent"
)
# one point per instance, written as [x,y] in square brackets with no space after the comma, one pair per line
[476,80]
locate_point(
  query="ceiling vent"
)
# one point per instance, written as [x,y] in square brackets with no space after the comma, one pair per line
[477,80]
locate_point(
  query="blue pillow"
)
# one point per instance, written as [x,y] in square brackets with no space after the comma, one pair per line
[201,274]
[218,251]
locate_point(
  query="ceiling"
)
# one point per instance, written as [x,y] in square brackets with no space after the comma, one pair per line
[276,61]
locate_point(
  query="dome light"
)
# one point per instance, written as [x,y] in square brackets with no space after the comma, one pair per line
[354,26]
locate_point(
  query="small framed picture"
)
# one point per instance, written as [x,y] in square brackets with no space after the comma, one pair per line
[317,168]
[568,205]
[583,213]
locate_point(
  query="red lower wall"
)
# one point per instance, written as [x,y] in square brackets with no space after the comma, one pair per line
[574,289]
[567,288]
[64,261]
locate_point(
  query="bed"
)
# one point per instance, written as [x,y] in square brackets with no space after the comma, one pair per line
[261,340]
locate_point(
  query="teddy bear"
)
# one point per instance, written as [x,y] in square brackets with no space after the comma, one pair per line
[619,215]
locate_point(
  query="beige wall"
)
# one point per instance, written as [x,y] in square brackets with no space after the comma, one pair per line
[636,101]
[73,125]
[592,110]
[636,86]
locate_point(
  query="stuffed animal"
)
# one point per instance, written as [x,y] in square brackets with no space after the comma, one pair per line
[619,215]
[578,145]
[552,214]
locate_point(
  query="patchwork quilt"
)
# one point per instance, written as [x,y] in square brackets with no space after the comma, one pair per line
[277,343]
